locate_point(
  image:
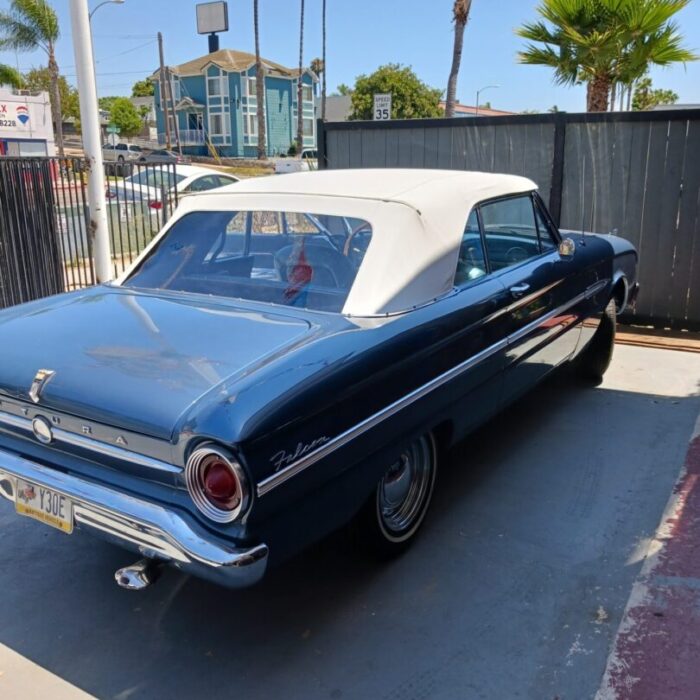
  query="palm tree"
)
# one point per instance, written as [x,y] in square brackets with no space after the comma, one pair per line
[300,93]
[259,87]
[460,15]
[323,58]
[9,76]
[597,41]
[30,25]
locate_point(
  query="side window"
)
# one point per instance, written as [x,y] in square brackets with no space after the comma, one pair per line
[510,231]
[202,184]
[472,262]
[547,240]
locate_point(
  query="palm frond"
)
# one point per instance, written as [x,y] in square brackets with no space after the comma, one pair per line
[10,76]
[40,15]
[16,35]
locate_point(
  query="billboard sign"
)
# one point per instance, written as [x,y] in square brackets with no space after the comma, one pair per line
[212,17]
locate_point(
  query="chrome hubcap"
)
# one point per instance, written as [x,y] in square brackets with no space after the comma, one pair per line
[404,489]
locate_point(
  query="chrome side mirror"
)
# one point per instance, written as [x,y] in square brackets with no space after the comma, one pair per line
[567,248]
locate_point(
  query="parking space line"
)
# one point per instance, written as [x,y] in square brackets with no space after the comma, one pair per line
[23,679]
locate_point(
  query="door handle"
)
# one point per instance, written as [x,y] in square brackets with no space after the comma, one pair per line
[519,289]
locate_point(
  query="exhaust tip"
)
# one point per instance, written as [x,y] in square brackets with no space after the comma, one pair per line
[139,575]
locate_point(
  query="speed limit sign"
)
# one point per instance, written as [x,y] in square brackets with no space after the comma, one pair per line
[382,107]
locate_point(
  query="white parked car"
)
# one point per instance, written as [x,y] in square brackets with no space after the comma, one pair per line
[307,161]
[149,182]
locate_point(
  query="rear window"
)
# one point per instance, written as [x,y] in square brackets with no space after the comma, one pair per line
[289,258]
[156,177]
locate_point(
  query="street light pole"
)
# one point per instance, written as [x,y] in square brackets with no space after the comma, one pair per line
[92,142]
[478,92]
[106,2]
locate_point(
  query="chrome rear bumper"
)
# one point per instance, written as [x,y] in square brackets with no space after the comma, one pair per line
[140,526]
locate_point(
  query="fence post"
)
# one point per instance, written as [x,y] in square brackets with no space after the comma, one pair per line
[321,144]
[557,190]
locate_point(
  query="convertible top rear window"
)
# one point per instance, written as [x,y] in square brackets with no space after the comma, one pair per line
[290,258]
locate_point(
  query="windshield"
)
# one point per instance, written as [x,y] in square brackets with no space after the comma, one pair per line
[152,177]
[295,259]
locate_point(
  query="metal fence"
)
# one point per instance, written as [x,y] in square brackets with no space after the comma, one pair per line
[637,174]
[45,239]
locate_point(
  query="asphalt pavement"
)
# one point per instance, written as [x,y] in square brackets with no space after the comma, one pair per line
[514,590]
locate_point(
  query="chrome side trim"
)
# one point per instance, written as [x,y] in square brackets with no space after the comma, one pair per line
[92,445]
[293,469]
[279,478]
[145,527]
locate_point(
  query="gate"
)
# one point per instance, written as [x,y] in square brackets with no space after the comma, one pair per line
[45,236]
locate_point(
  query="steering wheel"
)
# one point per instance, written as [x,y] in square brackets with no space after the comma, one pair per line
[516,254]
[348,243]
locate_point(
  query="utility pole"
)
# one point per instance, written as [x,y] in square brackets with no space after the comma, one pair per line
[164,91]
[92,141]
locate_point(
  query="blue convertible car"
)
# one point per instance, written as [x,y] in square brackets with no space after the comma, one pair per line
[293,354]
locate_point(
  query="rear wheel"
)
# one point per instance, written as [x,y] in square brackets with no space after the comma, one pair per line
[595,359]
[391,518]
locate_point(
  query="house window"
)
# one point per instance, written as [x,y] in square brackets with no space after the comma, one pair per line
[214,86]
[217,85]
[216,125]
[252,124]
[252,88]
[308,127]
[307,93]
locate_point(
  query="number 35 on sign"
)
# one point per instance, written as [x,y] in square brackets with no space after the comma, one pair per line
[382,106]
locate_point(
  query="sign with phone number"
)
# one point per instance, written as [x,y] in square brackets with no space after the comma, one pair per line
[8,123]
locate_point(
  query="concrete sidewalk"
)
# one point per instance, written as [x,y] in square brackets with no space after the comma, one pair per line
[656,653]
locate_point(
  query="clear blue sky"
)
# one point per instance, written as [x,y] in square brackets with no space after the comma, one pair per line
[362,34]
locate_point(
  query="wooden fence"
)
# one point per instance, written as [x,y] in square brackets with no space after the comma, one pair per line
[634,174]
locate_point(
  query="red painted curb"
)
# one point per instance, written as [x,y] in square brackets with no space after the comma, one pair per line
[656,654]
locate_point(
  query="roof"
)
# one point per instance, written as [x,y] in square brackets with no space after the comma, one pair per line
[420,189]
[232,61]
[481,111]
[338,107]
[417,219]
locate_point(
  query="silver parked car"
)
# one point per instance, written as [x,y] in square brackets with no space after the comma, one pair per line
[121,152]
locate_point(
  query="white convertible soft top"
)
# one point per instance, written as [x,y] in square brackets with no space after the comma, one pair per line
[417,218]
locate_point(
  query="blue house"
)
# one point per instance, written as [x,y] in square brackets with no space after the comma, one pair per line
[215,106]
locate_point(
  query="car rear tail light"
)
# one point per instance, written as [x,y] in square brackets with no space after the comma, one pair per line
[155,204]
[217,484]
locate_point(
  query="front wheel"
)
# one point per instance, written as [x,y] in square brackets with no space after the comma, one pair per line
[391,518]
[595,359]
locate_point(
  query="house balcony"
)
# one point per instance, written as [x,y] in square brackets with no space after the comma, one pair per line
[188,137]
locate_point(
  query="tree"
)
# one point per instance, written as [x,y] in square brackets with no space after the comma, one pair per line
[123,114]
[259,86]
[316,66]
[601,42]
[10,76]
[344,89]
[40,79]
[144,112]
[411,98]
[300,84]
[143,88]
[646,97]
[30,25]
[106,103]
[460,16]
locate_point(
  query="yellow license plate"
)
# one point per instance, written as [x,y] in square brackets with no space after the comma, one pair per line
[44,505]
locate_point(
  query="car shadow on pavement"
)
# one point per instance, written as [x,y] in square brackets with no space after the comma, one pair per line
[533,529]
